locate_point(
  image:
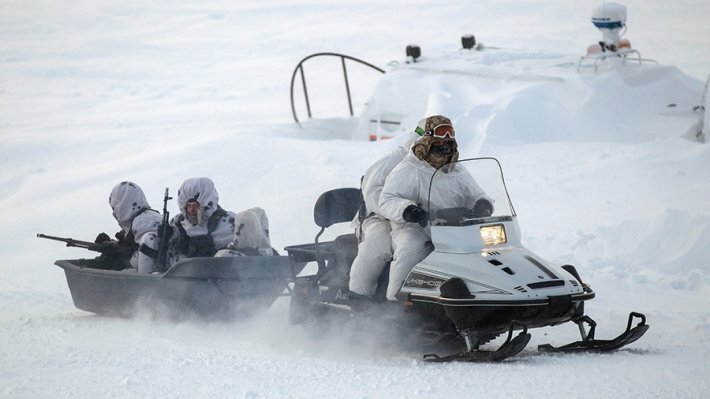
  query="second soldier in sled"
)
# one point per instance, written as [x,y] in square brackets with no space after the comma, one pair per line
[203,228]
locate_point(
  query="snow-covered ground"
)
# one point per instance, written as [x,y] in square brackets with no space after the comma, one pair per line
[95,92]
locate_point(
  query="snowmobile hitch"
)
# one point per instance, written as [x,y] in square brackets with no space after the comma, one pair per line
[511,347]
[589,344]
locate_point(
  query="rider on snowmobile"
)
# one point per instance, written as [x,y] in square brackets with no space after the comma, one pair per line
[375,241]
[407,202]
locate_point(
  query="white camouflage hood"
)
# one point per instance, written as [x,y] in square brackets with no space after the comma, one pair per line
[127,200]
[202,190]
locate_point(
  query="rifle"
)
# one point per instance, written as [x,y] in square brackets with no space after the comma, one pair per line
[114,256]
[91,246]
[161,261]
[110,250]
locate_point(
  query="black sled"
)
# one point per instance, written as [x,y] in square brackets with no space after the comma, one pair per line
[214,288]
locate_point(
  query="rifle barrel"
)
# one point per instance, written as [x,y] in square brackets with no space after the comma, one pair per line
[75,243]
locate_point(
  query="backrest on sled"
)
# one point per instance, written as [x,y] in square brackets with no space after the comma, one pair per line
[332,207]
[336,206]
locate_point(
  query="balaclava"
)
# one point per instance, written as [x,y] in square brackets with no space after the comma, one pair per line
[422,148]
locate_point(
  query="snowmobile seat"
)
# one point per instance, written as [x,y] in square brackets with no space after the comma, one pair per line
[332,207]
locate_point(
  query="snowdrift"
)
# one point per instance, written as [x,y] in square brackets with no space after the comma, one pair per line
[513,96]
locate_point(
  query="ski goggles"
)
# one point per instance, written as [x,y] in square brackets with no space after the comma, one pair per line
[440,132]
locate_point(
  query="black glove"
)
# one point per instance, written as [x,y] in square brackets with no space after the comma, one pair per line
[415,214]
[165,232]
[482,208]
[102,238]
[115,251]
[120,236]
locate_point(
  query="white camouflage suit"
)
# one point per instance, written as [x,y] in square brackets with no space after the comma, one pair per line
[408,184]
[251,236]
[134,215]
[375,247]
[231,231]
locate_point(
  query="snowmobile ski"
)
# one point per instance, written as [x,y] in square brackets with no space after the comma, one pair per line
[589,344]
[511,347]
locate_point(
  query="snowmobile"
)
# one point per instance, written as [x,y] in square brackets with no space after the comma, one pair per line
[209,288]
[478,283]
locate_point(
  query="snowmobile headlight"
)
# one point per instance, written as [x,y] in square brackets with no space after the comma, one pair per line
[493,234]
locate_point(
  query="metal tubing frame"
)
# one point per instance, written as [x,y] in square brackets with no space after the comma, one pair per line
[299,68]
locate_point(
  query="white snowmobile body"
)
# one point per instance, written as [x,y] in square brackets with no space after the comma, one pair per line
[507,274]
[503,280]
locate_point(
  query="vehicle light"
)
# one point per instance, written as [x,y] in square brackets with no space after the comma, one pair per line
[493,234]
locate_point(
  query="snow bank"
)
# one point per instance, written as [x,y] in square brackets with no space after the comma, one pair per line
[669,245]
[516,96]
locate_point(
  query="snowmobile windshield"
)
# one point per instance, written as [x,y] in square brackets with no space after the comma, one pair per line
[469,191]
